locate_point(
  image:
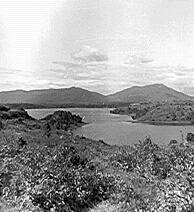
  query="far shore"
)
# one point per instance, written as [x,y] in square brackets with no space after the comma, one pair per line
[169,123]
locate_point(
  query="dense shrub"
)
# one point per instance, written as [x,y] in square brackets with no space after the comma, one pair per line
[161,179]
[58,178]
[65,177]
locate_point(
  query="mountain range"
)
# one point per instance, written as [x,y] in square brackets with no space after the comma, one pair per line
[76,95]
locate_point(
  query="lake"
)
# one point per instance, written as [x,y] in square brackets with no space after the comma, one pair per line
[114,129]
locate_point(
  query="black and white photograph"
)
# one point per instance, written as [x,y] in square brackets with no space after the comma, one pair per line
[96,105]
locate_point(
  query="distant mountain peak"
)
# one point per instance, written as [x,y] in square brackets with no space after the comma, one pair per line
[152,92]
[77,95]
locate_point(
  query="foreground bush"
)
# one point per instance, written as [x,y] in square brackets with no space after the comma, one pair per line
[76,176]
[58,178]
[161,179]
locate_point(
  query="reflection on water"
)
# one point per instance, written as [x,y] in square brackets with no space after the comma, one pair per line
[114,129]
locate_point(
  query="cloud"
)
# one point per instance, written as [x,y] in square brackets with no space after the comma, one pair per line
[138,60]
[4,70]
[88,54]
[105,75]
[20,79]
[69,64]
[88,68]
[87,63]
[180,0]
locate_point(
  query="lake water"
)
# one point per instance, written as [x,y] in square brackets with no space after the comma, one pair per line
[114,129]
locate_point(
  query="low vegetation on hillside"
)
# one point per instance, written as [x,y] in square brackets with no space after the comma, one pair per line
[80,175]
[169,112]
[165,112]
[60,172]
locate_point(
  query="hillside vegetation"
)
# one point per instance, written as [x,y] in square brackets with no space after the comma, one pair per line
[159,113]
[169,112]
[60,172]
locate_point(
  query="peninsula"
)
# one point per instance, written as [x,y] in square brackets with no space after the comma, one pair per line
[160,113]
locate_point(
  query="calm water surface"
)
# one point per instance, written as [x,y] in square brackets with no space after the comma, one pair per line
[114,129]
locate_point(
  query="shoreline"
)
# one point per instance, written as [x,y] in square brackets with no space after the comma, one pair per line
[74,127]
[160,123]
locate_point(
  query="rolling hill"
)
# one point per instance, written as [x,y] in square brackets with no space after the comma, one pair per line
[76,96]
[154,92]
[72,95]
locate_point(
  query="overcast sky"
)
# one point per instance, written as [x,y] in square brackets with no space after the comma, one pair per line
[100,45]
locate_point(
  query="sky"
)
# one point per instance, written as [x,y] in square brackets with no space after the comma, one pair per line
[99,45]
